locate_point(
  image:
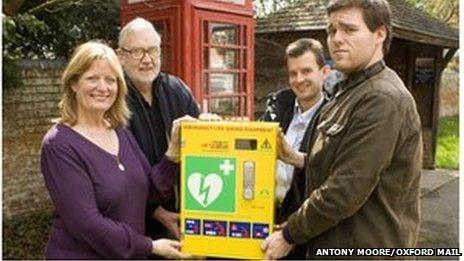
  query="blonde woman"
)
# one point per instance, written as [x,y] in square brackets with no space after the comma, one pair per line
[98,178]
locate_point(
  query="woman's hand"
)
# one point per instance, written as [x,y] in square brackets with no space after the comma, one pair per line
[168,248]
[174,144]
[287,154]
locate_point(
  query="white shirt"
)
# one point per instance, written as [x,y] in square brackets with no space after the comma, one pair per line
[294,136]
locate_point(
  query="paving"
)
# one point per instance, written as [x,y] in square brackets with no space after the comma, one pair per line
[439,210]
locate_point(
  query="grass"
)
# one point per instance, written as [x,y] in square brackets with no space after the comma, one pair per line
[448,143]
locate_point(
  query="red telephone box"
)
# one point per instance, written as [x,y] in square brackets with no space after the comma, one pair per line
[209,44]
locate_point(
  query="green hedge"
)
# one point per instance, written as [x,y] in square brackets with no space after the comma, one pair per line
[25,236]
[447,156]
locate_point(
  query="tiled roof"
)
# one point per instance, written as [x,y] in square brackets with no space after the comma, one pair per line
[408,22]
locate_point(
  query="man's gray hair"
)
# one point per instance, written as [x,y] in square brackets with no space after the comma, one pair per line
[136,25]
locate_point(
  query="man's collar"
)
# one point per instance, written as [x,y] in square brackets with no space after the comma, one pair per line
[356,78]
[297,110]
[134,91]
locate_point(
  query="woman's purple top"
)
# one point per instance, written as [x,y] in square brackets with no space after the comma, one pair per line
[100,209]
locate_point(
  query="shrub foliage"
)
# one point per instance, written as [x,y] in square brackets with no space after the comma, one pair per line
[25,236]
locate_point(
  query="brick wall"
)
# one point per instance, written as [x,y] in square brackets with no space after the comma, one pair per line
[27,114]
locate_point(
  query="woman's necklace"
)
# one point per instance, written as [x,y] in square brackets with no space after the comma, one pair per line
[120,166]
[116,155]
[106,137]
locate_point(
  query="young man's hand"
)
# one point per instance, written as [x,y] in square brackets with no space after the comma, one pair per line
[275,246]
[287,154]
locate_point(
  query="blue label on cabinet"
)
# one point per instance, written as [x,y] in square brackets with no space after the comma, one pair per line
[214,228]
[192,226]
[260,230]
[240,229]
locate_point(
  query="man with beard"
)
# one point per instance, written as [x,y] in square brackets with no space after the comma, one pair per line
[155,99]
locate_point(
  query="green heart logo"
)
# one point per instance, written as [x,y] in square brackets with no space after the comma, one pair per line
[209,184]
[204,190]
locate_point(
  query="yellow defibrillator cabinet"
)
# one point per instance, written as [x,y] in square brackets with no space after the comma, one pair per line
[227,187]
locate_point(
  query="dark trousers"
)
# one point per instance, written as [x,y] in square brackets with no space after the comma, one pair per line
[154,228]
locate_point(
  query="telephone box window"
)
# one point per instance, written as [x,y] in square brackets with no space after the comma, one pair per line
[224,34]
[224,68]
[225,106]
[223,83]
[223,59]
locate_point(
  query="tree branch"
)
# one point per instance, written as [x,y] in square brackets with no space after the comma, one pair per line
[51,3]
[12,8]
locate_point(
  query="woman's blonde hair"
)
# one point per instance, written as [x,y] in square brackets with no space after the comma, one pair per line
[81,60]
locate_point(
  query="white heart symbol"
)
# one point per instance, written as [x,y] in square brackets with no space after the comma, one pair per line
[207,192]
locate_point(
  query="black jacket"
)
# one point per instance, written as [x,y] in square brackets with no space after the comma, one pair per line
[279,108]
[174,100]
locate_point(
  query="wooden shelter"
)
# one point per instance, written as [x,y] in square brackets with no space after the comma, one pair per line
[421,48]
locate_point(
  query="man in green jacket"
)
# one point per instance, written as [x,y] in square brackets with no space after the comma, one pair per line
[365,156]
